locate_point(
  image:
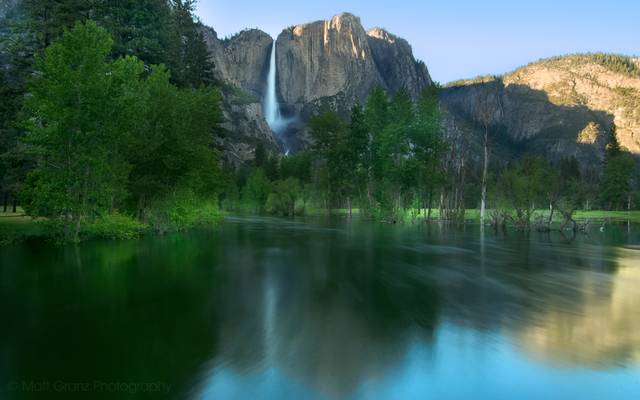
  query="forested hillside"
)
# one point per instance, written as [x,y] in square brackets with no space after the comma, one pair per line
[109,113]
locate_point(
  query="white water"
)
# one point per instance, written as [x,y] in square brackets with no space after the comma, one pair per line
[275,120]
[271,108]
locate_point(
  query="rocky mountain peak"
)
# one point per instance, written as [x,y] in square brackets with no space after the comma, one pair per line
[326,58]
[560,107]
[382,34]
[321,65]
[241,59]
[241,64]
[329,65]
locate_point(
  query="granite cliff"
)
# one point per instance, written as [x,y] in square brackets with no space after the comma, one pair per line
[559,107]
[323,65]
[329,65]
[241,66]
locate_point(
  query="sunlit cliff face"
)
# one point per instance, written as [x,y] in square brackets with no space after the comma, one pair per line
[603,331]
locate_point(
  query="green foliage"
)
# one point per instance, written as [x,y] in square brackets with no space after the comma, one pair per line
[173,144]
[330,132]
[617,178]
[105,139]
[188,54]
[388,157]
[616,186]
[617,63]
[48,19]
[114,226]
[284,197]
[180,211]
[79,116]
[139,27]
[257,190]
[296,166]
[522,186]
[156,31]
[614,62]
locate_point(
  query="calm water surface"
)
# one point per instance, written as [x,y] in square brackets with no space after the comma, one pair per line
[276,309]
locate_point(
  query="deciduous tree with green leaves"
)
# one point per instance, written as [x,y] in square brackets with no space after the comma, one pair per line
[80,114]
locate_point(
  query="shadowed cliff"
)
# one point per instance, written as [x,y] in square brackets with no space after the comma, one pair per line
[561,107]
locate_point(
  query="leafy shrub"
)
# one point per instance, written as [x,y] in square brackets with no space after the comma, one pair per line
[182,210]
[282,201]
[114,226]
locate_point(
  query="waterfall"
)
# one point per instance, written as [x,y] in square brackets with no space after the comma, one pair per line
[271,108]
[275,120]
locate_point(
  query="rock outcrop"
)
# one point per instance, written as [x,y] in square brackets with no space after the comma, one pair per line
[241,64]
[323,59]
[241,60]
[323,65]
[396,65]
[329,65]
[560,107]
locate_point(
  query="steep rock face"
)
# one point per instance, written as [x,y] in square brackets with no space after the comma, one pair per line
[243,129]
[241,60]
[240,66]
[559,107]
[329,65]
[394,60]
[324,58]
[323,65]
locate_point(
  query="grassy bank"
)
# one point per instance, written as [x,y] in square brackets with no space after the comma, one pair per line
[17,227]
[473,215]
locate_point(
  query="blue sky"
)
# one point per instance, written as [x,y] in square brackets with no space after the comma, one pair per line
[458,38]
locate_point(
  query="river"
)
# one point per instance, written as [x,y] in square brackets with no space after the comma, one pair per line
[265,308]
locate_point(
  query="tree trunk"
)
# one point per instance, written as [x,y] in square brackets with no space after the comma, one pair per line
[15,205]
[552,208]
[349,202]
[483,201]
[429,207]
[6,202]
[76,233]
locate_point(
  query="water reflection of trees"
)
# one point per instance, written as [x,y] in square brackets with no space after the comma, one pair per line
[109,312]
[574,303]
[337,308]
[323,310]
[329,307]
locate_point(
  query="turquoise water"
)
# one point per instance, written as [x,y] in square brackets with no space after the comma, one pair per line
[270,308]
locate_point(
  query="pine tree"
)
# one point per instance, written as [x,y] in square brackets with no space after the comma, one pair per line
[189,56]
[138,27]
[615,189]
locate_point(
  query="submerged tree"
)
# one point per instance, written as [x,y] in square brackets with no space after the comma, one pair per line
[428,148]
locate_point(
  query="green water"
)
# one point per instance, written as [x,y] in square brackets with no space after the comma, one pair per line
[277,309]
